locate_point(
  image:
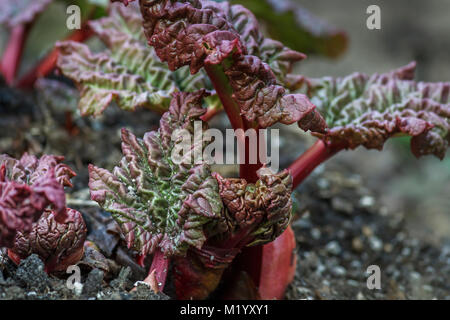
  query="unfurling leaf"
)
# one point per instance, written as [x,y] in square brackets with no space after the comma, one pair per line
[59,245]
[293,25]
[27,187]
[129,73]
[202,33]
[367,110]
[158,203]
[253,214]
[17,12]
[264,207]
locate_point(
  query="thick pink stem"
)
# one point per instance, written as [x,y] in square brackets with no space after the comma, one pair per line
[13,53]
[160,265]
[308,161]
[247,170]
[279,260]
[225,93]
[211,113]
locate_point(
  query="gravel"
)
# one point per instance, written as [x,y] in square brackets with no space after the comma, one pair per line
[335,248]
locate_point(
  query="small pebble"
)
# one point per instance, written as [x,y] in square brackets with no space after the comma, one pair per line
[339,271]
[355,264]
[366,201]
[320,268]
[367,231]
[360,296]
[315,233]
[333,247]
[375,243]
[415,276]
[323,183]
[342,205]
[353,283]
[78,287]
[406,251]
[303,290]
[357,244]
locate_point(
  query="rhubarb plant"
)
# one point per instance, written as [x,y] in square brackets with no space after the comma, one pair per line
[33,213]
[167,209]
[188,60]
[252,76]
[58,244]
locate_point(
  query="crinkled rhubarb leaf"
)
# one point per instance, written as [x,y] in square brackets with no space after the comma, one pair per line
[29,169]
[101,80]
[254,214]
[157,202]
[129,73]
[279,58]
[287,21]
[17,212]
[17,12]
[202,33]
[264,207]
[187,82]
[59,245]
[27,187]
[367,110]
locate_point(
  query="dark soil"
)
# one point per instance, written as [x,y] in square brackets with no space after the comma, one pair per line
[29,281]
[343,228]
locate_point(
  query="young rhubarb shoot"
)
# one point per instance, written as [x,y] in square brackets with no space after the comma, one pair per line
[27,187]
[59,245]
[161,205]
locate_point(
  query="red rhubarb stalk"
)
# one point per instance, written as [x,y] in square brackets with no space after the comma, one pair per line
[159,267]
[225,93]
[13,53]
[254,259]
[279,261]
[46,65]
[211,113]
[248,170]
[308,161]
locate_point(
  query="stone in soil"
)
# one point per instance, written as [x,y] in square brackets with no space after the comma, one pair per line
[31,274]
[93,283]
[122,282]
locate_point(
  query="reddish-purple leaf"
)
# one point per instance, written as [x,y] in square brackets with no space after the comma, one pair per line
[27,187]
[59,245]
[262,209]
[202,33]
[367,110]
